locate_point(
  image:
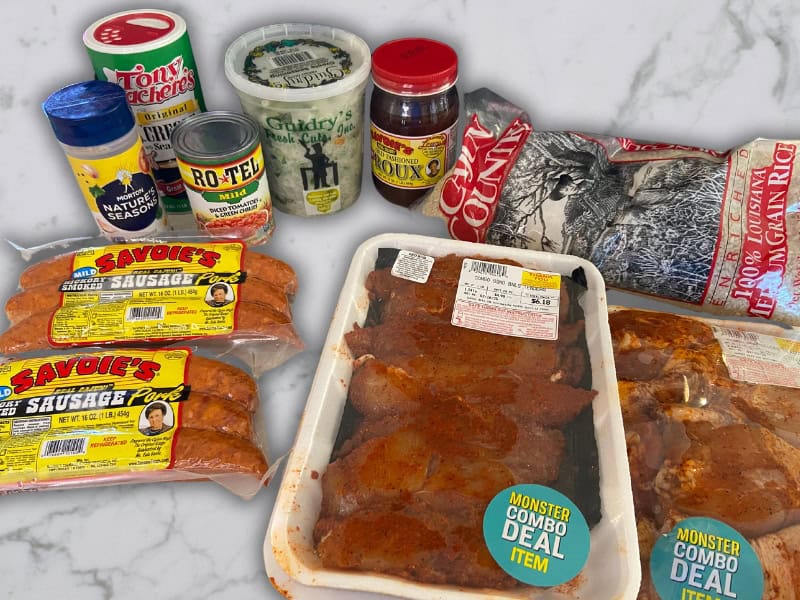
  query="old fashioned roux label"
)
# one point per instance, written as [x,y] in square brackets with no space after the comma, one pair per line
[89,414]
[149,292]
[411,162]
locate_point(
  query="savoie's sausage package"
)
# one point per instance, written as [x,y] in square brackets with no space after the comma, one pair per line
[120,363]
[715,230]
[128,416]
[216,293]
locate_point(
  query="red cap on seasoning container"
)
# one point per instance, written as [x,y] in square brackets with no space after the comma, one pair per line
[414,66]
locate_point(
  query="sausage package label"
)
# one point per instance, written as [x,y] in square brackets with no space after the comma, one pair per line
[149,292]
[87,414]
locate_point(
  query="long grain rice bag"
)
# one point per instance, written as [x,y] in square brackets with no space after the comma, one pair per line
[716,230]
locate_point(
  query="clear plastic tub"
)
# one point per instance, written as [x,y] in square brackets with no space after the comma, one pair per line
[612,570]
[304,85]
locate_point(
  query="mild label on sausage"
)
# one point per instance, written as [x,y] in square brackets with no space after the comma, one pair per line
[149,292]
[90,414]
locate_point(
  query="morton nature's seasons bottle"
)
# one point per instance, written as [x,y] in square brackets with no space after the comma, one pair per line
[147,53]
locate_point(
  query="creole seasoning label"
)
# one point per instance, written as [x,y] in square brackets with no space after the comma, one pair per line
[760,359]
[410,162]
[704,559]
[161,96]
[149,292]
[78,415]
[536,534]
[507,300]
[230,195]
[120,192]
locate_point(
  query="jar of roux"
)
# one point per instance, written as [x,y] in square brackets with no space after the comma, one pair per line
[413,117]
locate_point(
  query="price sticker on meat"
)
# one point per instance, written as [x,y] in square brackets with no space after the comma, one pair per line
[536,534]
[507,300]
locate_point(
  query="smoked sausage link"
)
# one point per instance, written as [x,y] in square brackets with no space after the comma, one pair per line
[212,413]
[260,266]
[213,453]
[207,376]
[255,321]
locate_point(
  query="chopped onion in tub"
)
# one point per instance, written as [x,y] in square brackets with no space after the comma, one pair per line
[304,85]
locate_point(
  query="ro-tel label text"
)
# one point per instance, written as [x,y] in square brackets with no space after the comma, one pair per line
[536,534]
[87,414]
[149,292]
[230,193]
[705,559]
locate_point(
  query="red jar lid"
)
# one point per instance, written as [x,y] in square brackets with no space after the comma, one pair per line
[414,66]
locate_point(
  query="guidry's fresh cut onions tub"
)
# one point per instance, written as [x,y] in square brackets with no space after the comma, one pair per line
[304,86]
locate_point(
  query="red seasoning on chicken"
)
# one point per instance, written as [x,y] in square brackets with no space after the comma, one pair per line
[446,417]
[703,444]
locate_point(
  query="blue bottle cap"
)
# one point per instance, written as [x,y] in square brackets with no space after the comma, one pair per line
[89,113]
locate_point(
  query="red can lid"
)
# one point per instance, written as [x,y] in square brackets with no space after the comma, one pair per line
[414,66]
[134,28]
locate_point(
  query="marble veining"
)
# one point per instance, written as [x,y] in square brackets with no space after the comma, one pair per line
[714,74]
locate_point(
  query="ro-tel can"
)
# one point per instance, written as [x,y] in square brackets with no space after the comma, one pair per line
[147,53]
[222,165]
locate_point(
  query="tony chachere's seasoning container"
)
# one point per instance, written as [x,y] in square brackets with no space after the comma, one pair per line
[222,165]
[95,126]
[147,52]
[304,86]
[413,115]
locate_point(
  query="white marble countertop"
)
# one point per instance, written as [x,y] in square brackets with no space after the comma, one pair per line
[713,74]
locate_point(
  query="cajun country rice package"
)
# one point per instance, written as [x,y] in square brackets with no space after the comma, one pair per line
[717,230]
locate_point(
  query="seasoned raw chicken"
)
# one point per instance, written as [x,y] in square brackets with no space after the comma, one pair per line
[779,554]
[442,419]
[741,474]
[378,390]
[703,444]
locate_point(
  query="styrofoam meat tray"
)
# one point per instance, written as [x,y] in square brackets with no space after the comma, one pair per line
[612,570]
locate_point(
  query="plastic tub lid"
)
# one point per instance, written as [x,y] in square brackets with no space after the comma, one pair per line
[294,62]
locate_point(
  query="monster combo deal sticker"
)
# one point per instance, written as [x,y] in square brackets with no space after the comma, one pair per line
[149,292]
[705,559]
[536,534]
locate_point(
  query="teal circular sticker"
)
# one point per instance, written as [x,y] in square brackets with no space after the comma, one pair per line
[536,534]
[705,559]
